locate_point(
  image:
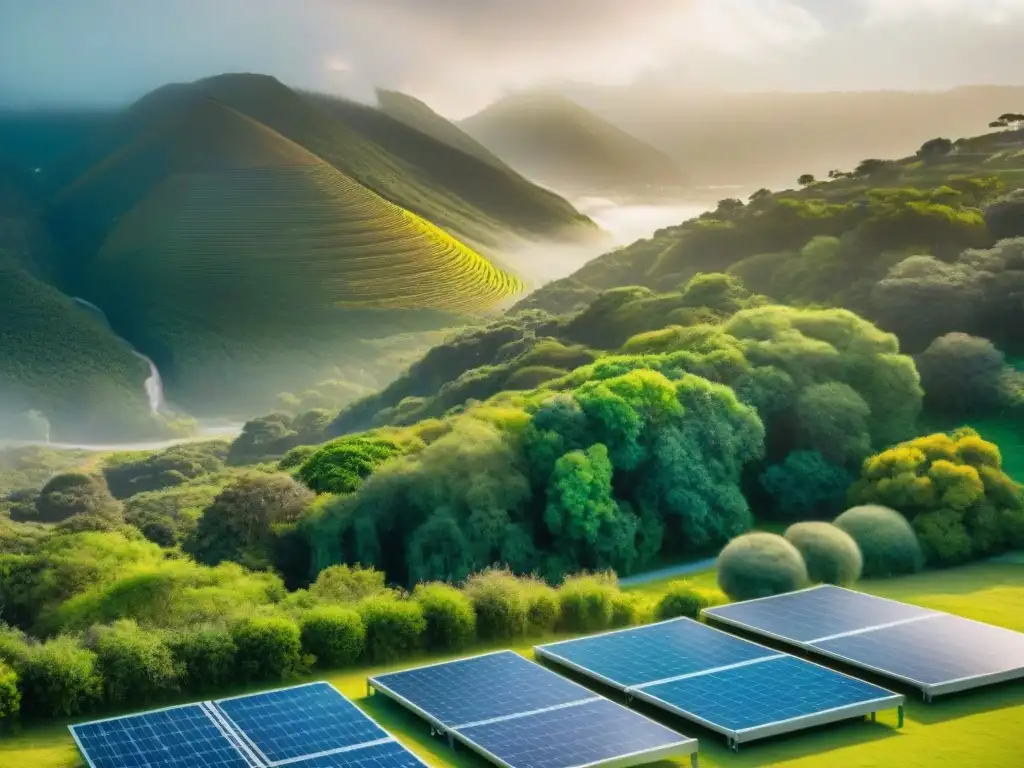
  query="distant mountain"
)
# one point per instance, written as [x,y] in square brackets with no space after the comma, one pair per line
[239,260]
[559,143]
[771,138]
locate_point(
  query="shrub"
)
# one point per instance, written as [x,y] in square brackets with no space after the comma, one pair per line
[1005,216]
[269,648]
[10,696]
[830,553]
[961,374]
[629,609]
[74,493]
[759,565]
[335,635]
[502,609]
[681,598]
[543,608]
[806,485]
[342,465]
[587,602]
[59,679]
[137,666]
[451,620]
[394,627]
[348,584]
[887,542]
[207,657]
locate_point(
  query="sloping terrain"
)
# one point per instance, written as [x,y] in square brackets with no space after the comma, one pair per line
[556,141]
[242,262]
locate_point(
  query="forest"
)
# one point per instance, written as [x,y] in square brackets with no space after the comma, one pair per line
[825,362]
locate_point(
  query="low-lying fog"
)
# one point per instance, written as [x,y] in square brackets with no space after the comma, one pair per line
[627,222]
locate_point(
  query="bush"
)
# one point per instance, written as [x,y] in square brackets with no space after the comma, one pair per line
[59,679]
[502,609]
[887,542]
[806,485]
[543,608]
[335,635]
[451,620]
[342,465]
[10,696]
[394,627]
[629,609]
[1005,216]
[74,493]
[137,666]
[269,648]
[348,584]
[682,598]
[961,374]
[208,657]
[830,553]
[587,602]
[759,565]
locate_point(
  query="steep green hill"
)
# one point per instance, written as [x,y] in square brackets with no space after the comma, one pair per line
[245,265]
[355,151]
[556,141]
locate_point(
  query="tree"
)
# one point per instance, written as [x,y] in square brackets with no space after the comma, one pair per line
[1005,217]
[1010,120]
[962,374]
[74,493]
[935,148]
[871,167]
[341,466]
[806,180]
[805,486]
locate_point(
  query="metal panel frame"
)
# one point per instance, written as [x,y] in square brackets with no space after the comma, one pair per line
[686,745]
[742,735]
[929,690]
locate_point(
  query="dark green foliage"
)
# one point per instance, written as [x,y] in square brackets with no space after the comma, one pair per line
[75,494]
[169,516]
[831,554]
[681,598]
[962,374]
[886,540]
[10,696]
[587,602]
[207,656]
[136,666]
[953,489]
[1005,216]
[59,678]
[334,635]
[239,524]
[163,469]
[806,485]
[274,435]
[268,648]
[340,466]
[450,617]
[833,419]
[500,603]
[759,565]
[394,627]
[934,149]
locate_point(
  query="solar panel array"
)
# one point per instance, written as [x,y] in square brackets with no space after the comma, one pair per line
[308,726]
[521,715]
[728,684]
[931,650]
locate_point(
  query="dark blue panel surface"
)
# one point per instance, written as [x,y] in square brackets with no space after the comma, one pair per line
[816,613]
[657,652]
[389,755]
[935,650]
[572,736]
[482,687]
[767,692]
[181,737]
[300,721]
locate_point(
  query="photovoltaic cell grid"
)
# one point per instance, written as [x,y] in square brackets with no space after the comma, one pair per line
[725,683]
[308,726]
[520,715]
[934,651]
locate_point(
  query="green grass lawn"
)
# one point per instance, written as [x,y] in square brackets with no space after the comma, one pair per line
[982,728]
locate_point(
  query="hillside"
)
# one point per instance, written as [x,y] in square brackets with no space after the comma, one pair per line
[355,150]
[554,140]
[771,137]
[242,263]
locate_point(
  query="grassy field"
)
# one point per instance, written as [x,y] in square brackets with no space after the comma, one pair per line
[977,728]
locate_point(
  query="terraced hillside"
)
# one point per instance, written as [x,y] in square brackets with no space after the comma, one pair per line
[556,141]
[243,263]
[361,154]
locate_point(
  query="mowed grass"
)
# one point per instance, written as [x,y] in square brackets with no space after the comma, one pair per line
[982,727]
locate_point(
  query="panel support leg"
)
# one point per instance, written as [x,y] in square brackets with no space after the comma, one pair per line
[900,711]
[451,740]
[694,760]
[873,717]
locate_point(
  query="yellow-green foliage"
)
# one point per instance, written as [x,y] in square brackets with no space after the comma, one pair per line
[953,489]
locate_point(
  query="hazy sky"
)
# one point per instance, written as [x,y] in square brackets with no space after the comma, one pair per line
[460,54]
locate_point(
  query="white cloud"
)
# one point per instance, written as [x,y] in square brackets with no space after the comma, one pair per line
[883,12]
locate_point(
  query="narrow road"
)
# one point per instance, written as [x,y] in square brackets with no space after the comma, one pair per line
[684,569]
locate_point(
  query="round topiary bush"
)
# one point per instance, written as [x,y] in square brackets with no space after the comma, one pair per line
[451,620]
[830,553]
[394,627]
[335,635]
[759,565]
[887,541]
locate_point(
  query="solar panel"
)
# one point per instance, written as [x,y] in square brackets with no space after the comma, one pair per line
[306,726]
[730,685]
[936,652]
[521,715]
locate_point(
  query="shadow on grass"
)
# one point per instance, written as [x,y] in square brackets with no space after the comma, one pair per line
[967,703]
